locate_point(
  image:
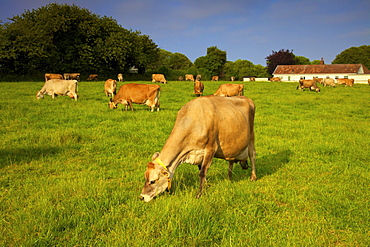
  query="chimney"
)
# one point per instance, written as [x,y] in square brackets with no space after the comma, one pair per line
[322,61]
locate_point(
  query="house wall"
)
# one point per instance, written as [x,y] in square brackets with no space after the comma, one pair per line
[296,77]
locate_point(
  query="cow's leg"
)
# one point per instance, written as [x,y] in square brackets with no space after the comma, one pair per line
[207,161]
[230,170]
[130,103]
[252,157]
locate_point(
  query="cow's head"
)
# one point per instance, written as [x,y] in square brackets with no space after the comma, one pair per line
[112,105]
[39,95]
[157,179]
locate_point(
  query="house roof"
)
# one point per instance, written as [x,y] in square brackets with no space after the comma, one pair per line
[322,69]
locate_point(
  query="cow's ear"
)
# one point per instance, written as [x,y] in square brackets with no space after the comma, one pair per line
[155,155]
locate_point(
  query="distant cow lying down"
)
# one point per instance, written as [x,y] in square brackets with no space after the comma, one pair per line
[143,94]
[59,87]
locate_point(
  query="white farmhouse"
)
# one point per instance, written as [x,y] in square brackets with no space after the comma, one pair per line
[296,72]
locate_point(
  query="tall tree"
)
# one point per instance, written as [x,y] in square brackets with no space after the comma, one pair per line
[282,57]
[213,63]
[61,38]
[179,61]
[354,55]
[302,60]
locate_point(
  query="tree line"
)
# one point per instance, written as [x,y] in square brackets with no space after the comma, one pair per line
[59,38]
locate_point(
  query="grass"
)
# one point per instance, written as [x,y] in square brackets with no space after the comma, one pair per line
[71,172]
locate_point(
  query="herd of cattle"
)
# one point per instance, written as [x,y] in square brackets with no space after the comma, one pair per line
[144,94]
[67,84]
[203,128]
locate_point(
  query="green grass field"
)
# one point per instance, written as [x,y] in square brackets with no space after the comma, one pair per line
[71,172]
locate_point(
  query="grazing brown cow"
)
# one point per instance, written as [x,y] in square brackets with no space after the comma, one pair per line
[215,78]
[53,76]
[329,82]
[158,78]
[347,82]
[232,78]
[189,77]
[92,77]
[228,90]
[275,79]
[110,87]
[143,94]
[181,78]
[198,88]
[368,81]
[72,76]
[311,84]
[120,77]
[223,130]
[59,87]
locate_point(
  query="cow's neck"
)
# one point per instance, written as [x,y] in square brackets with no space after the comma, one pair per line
[172,158]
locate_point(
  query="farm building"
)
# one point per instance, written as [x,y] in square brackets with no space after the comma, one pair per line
[358,72]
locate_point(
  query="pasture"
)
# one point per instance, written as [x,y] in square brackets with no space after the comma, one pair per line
[71,172]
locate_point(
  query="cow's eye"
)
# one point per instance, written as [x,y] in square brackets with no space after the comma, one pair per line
[152,182]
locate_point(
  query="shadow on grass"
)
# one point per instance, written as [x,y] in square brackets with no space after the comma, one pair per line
[14,156]
[270,164]
[187,176]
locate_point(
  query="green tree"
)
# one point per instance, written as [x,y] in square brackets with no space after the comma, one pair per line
[354,55]
[211,64]
[282,57]
[61,38]
[316,62]
[241,68]
[302,60]
[179,61]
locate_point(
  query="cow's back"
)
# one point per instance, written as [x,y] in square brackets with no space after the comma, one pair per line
[213,119]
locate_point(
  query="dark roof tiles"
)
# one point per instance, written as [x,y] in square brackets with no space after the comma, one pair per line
[322,69]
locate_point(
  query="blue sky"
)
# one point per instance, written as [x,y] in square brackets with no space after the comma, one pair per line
[245,29]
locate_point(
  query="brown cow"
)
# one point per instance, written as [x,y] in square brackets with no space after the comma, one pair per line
[368,81]
[199,77]
[328,81]
[53,76]
[215,78]
[158,78]
[181,78]
[275,79]
[59,87]
[232,78]
[198,88]
[143,94]
[72,76]
[228,90]
[110,87]
[120,77]
[311,84]
[189,77]
[224,130]
[92,77]
[347,82]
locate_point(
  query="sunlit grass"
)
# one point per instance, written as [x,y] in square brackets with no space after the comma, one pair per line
[71,172]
